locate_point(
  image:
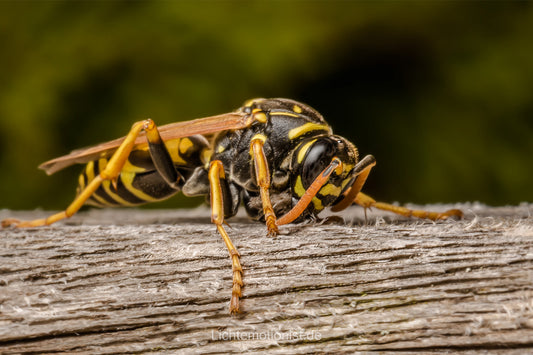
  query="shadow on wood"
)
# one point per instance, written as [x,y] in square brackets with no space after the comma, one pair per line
[151,280]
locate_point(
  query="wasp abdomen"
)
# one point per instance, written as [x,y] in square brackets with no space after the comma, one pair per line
[139,181]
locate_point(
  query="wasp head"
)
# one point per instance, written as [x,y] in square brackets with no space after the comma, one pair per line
[311,157]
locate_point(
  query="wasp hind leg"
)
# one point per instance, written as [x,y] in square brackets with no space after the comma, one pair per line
[111,172]
[216,174]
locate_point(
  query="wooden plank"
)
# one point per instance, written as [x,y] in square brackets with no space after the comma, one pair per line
[111,281]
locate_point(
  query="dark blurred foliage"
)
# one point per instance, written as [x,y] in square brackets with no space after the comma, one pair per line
[440,93]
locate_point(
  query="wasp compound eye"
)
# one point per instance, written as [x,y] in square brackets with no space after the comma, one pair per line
[317,158]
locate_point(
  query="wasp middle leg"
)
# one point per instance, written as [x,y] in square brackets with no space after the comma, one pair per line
[112,170]
[216,179]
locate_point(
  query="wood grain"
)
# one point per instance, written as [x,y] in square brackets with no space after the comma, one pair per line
[128,281]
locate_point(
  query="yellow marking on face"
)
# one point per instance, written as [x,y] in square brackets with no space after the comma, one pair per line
[348,167]
[344,183]
[303,150]
[330,189]
[317,203]
[299,187]
[297,109]
[300,191]
[220,148]
[340,168]
[308,127]
[106,184]
[127,180]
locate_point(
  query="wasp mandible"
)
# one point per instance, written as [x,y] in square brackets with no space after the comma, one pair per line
[278,157]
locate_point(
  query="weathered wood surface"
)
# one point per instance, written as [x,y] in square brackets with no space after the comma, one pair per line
[127,281]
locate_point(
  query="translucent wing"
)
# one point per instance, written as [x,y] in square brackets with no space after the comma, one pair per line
[207,125]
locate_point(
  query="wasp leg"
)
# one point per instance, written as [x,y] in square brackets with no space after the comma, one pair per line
[263,180]
[161,158]
[354,194]
[312,190]
[368,202]
[216,173]
[111,172]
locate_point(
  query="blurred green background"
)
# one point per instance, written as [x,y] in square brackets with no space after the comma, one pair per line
[440,93]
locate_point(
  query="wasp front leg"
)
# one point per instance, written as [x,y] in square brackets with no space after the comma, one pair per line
[335,166]
[111,172]
[262,174]
[216,175]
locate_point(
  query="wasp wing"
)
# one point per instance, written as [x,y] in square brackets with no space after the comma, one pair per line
[206,125]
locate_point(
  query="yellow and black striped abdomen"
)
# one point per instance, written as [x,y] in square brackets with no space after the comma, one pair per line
[139,182]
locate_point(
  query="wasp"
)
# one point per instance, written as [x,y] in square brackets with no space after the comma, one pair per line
[277,157]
